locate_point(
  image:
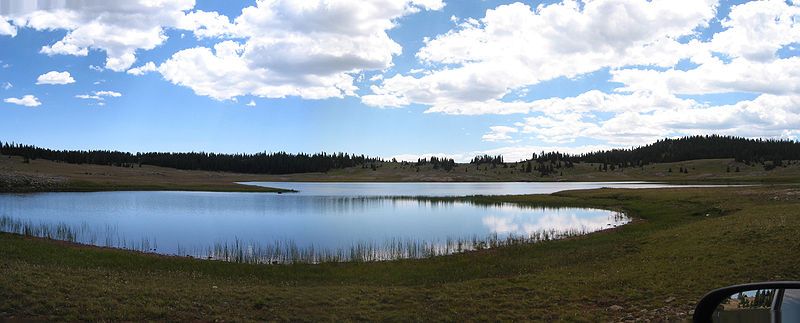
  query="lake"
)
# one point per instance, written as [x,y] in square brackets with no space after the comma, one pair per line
[449,189]
[322,222]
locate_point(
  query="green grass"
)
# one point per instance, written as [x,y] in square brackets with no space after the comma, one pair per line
[48,176]
[699,171]
[683,243]
[87,186]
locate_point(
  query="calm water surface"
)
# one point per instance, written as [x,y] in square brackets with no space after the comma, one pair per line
[450,189]
[330,221]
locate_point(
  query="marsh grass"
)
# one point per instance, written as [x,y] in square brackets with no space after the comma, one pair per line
[103,236]
[288,251]
[672,250]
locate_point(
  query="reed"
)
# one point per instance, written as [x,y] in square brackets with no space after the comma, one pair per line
[288,251]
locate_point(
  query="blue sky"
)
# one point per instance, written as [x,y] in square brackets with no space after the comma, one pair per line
[396,78]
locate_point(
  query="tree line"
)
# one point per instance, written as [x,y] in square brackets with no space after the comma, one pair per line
[698,147]
[438,162]
[258,163]
[769,152]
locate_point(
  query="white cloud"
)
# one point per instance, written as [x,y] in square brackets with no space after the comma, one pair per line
[144,69]
[6,29]
[514,46]
[308,49]
[96,68]
[55,78]
[485,66]
[88,96]
[756,30]
[7,85]
[640,118]
[207,24]
[119,28]
[108,93]
[27,100]
[251,103]
[499,133]
[99,96]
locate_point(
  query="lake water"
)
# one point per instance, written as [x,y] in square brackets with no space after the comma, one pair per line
[322,222]
[450,189]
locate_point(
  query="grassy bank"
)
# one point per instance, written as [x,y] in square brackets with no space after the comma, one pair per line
[49,176]
[684,243]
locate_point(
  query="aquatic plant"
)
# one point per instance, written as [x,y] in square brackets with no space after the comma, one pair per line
[288,251]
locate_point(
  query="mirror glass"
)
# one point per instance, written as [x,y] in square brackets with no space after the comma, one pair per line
[760,305]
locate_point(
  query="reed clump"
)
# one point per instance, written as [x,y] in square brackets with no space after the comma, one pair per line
[288,251]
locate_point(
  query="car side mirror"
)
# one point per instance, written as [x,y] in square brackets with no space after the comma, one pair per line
[769,302]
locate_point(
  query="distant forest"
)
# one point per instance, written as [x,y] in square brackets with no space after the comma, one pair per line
[744,150]
[259,163]
[699,147]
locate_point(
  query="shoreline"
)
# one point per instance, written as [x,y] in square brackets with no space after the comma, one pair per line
[48,176]
[669,250]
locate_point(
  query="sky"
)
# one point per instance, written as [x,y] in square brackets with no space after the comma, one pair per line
[395,78]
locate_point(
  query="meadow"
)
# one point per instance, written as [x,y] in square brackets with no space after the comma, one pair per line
[682,243]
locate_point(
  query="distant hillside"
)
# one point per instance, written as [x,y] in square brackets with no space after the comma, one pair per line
[770,153]
[700,147]
[258,163]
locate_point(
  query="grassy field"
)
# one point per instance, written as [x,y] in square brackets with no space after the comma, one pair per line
[43,175]
[707,170]
[683,243]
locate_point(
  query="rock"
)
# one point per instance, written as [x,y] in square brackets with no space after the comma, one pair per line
[669,300]
[615,308]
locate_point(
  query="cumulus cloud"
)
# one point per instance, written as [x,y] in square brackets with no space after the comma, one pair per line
[207,24]
[499,133]
[55,78]
[652,49]
[645,117]
[481,61]
[251,103]
[27,100]
[119,28]
[144,69]
[756,30]
[6,29]
[308,49]
[779,76]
